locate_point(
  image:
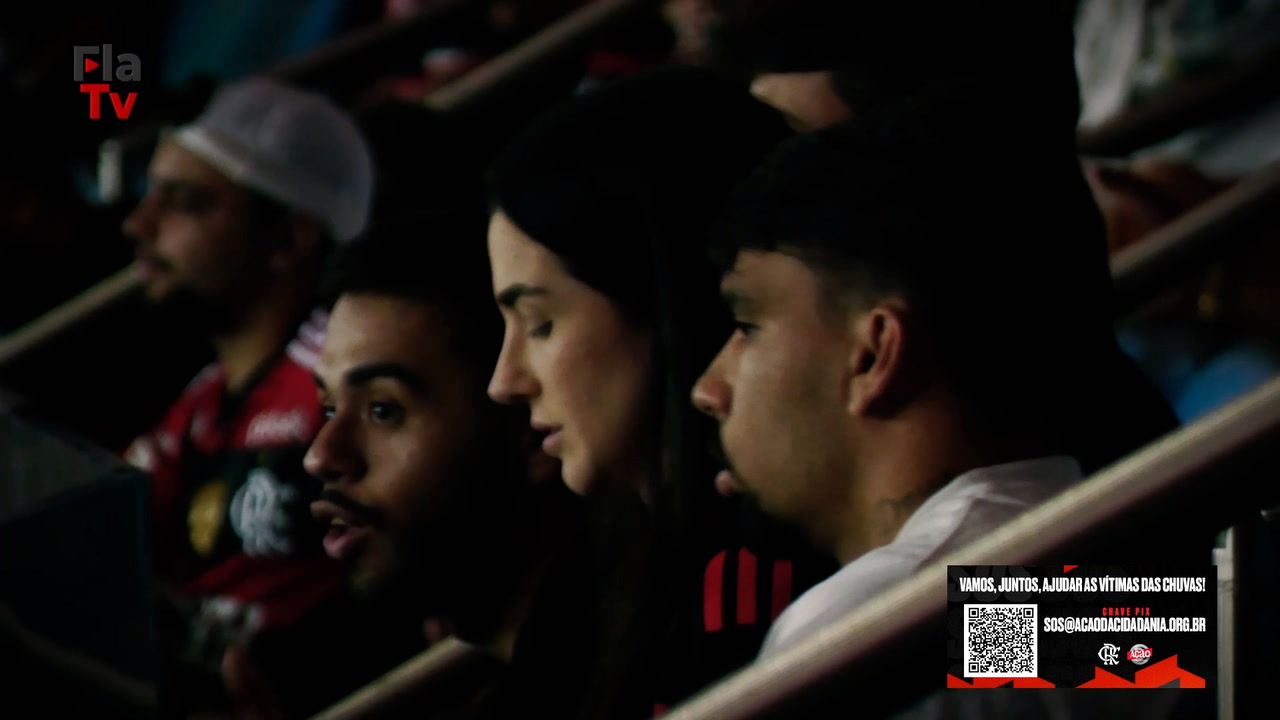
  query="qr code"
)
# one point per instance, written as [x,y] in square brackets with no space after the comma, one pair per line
[1001,640]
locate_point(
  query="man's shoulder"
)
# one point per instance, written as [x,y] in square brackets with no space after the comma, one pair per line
[291,378]
[982,500]
[305,347]
[845,591]
[162,440]
[209,380]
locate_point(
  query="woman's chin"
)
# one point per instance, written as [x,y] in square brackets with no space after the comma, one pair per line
[582,484]
[580,477]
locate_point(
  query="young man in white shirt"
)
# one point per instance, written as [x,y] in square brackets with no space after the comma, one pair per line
[923,348]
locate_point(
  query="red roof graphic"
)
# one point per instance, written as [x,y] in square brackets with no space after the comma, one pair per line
[1158,675]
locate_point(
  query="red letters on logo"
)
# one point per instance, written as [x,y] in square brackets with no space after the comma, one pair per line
[95,90]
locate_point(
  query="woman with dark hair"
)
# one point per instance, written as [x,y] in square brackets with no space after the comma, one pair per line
[599,211]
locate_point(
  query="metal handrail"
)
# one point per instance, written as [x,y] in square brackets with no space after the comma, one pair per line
[878,645]
[435,664]
[112,692]
[1193,103]
[69,314]
[1138,270]
[1183,247]
[356,47]
[547,46]
[558,40]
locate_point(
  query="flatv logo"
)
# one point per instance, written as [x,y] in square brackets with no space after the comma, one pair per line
[95,59]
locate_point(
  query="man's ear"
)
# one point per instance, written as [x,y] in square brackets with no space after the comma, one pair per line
[876,357]
[300,243]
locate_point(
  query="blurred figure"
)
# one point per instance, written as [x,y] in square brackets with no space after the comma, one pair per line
[824,61]
[243,207]
[691,22]
[1141,197]
[1213,339]
[494,27]
[1217,337]
[1130,53]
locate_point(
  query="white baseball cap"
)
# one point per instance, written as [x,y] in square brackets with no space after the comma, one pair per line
[291,145]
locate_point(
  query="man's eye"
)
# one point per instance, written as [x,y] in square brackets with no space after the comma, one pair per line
[188,201]
[328,411]
[385,412]
[541,331]
[745,328]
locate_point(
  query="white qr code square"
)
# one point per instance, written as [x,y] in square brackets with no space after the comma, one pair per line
[1001,641]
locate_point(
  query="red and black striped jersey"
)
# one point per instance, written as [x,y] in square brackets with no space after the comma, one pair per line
[230,501]
[743,588]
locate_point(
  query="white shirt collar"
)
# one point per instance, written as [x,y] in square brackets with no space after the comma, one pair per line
[1043,476]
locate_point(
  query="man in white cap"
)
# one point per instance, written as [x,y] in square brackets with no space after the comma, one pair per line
[243,206]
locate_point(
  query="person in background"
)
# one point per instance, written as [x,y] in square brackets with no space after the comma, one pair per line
[821,62]
[244,205]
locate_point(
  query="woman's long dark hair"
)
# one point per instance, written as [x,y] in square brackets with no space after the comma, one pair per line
[622,185]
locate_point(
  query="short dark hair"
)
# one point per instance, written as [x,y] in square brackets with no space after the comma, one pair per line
[996,244]
[611,179]
[437,259]
[622,183]
[993,236]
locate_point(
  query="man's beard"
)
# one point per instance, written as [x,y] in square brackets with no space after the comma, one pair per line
[762,530]
[187,307]
[401,585]
[437,566]
[758,528]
